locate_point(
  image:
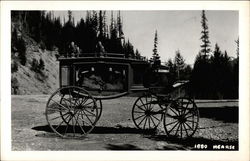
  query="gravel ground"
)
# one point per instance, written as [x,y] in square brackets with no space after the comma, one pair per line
[115,130]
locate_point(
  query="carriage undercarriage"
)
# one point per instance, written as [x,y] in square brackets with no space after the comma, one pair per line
[74,110]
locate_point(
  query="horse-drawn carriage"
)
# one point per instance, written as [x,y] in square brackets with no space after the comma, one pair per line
[75,108]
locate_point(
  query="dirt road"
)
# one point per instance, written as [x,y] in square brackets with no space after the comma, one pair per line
[115,129]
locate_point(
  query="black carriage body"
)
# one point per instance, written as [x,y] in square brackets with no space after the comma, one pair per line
[72,111]
[127,72]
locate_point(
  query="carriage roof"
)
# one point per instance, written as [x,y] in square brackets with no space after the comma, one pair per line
[110,58]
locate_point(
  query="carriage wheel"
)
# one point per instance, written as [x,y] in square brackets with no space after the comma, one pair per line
[71,112]
[181,118]
[146,112]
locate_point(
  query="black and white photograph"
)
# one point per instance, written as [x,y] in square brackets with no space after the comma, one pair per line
[125,80]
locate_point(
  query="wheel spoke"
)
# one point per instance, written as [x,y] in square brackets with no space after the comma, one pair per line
[69,101]
[173,127]
[83,101]
[88,103]
[153,121]
[70,96]
[171,123]
[61,123]
[189,116]
[73,125]
[59,104]
[185,129]
[149,122]
[156,118]
[87,117]
[139,117]
[58,116]
[189,126]
[145,122]
[177,129]
[80,124]
[186,107]
[174,111]
[141,108]
[92,114]
[84,121]
[190,111]
[150,103]
[138,112]
[146,102]
[143,104]
[141,121]
[67,125]
[181,129]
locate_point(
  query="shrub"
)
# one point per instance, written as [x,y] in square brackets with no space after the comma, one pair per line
[38,68]
[41,64]
[34,65]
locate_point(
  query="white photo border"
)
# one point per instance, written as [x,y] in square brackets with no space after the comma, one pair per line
[241,6]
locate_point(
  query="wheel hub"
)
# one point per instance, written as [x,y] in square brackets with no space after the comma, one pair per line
[148,112]
[182,119]
[71,112]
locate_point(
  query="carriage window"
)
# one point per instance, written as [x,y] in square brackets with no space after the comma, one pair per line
[101,77]
[65,76]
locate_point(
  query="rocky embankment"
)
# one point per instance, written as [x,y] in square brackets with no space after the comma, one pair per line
[39,74]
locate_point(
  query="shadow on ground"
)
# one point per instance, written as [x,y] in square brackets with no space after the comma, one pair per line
[98,130]
[122,147]
[166,142]
[225,114]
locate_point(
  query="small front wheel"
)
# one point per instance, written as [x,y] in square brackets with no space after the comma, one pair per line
[181,118]
[71,112]
[146,112]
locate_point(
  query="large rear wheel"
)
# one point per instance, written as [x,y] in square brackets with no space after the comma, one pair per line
[71,112]
[181,118]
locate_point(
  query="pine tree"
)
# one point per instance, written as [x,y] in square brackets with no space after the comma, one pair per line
[70,17]
[217,54]
[179,61]
[155,57]
[101,25]
[179,64]
[113,28]
[119,26]
[205,46]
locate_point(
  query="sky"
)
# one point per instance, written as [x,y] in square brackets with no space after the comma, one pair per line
[177,30]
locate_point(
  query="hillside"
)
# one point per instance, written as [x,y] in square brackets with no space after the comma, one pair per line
[26,78]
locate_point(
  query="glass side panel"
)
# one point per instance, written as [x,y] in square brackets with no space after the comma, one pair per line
[65,75]
[102,77]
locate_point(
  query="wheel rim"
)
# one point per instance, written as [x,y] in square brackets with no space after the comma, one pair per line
[146,112]
[99,109]
[71,112]
[181,118]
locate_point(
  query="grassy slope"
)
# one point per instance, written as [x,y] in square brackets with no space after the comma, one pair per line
[31,82]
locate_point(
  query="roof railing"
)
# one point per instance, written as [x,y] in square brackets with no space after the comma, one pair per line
[110,55]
